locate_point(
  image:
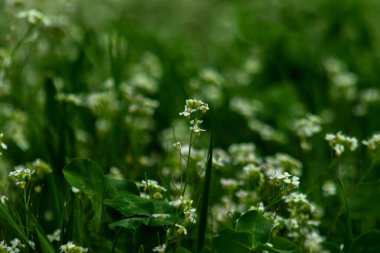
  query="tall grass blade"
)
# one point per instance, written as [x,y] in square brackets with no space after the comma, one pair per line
[8,218]
[205,198]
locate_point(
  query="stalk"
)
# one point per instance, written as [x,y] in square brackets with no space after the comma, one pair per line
[205,198]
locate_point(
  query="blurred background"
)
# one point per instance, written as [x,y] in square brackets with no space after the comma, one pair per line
[107,79]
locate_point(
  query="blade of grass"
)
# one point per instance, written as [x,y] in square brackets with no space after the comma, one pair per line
[205,198]
[8,218]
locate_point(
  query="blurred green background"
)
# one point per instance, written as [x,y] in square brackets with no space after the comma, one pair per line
[107,79]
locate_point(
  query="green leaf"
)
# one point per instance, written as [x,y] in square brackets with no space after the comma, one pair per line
[182,250]
[87,176]
[256,225]
[119,187]
[131,205]
[231,241]
[45,244]
[281,245]
[9,219]
[130,223]
[205,198]
[368,242]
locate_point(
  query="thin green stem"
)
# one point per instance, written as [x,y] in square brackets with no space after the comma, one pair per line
[188,164]
[205,198]
[349,233]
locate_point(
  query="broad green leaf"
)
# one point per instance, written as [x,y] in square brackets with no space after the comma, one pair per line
[87,176]
[130,223]
[231,241]
[131,205]
[281,245]
[368,242]
[119,187]
[256,225]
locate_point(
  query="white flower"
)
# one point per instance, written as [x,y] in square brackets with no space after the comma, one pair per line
[296,197]
[373,142]
[70,247]
[229,183]
[161,215]
[33,17]
[329,188]
[194,109]
[279,178]
[181,229]
[22,176]
[151,186]
[177,146]
[308,126]
[339,141]
[160,248]
[181,203]
[3,199]
[2,144]
[55,236]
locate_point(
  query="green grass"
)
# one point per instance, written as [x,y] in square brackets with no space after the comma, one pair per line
[90,96]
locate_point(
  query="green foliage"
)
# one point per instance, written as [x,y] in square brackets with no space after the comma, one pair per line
[256,225]
[366,242]
[229,240]
[91,103]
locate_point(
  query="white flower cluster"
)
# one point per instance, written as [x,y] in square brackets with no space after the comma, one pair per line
[229,183]
[220,158]
[34,17]
[306,128]
[186,206]
[70,247]
[282,162]
[2,144]
[22,176]
[372,143]
[194,109]
[250,170]
[339,141]
[151,188]
[285,178]
[14,247]
[211,76]
[246,108]
[343,82]
[243,153]
[296,198]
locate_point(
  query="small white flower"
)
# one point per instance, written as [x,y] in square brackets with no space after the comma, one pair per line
[22,176]
[339,141]
[177,146]
[70,247]
[160,248]
[3,199]
[181,229]
[229,183]
[2,144]
[33,17]
[372,143]
[55,236]
[74,189]
[329,188]
[161,215]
